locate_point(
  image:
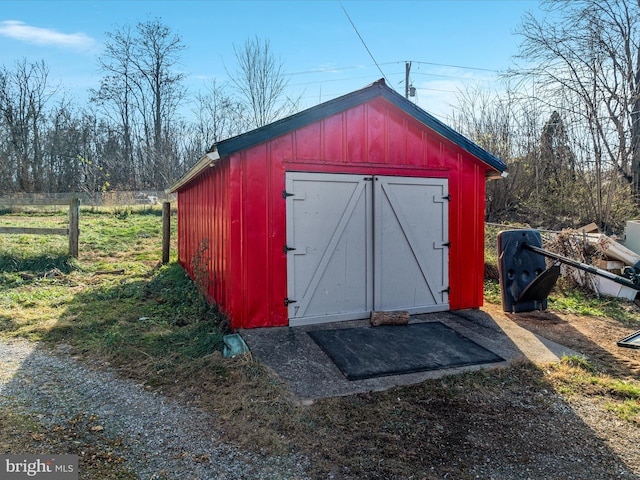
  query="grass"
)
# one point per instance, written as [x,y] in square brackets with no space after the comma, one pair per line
[576,301]
[575,376]
[115,305]
[159,316]
[580,302]
[492,291]
[151,324]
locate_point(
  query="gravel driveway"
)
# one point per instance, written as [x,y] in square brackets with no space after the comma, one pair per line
[158,438]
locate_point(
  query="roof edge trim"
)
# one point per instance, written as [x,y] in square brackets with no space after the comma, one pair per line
[444,130]
[208,160]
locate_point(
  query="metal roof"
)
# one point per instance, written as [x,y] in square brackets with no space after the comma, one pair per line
[377,89]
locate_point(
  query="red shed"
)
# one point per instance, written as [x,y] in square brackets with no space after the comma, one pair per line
[362,203]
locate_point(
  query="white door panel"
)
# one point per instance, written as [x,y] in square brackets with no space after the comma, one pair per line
[364,243]
[411,259]
[329,225]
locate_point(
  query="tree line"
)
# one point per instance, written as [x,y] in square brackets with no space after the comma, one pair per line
[567,121]
[131,135]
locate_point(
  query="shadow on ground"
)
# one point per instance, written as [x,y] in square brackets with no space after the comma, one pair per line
[486,421]
[595,338]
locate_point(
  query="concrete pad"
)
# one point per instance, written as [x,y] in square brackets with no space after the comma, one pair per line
[310,374]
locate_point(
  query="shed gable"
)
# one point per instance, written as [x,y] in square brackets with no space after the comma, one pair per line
[374,133]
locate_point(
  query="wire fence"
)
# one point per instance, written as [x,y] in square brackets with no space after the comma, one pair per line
[92,199]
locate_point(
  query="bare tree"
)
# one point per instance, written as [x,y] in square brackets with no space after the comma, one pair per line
[24,93]
[261,83]
[116,96]
[546,183]
[508,128]
[156,54]
[217,115]
[141,93]
[585,64]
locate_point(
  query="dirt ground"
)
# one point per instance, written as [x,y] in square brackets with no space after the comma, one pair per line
[523,422]
[594,337]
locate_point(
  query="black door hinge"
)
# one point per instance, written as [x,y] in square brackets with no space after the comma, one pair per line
[287,248]
[447,244]
[447,198]
[288,302]
[286,194]
[446,290]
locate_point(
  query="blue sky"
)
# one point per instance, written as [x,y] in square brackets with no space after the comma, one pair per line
[452,44]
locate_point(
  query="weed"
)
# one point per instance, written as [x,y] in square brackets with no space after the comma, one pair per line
[562,299]
[576,376]
[578,361]
[492,292]
[628,410]
[151,323]
[200,267]
[121,213]
[623,389]
[579,302]
[140,313]
[37,263]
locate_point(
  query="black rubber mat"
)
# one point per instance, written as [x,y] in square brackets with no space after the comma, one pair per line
[368,352]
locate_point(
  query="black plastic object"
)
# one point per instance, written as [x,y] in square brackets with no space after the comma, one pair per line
[632,341]
[525,281]
[541,286]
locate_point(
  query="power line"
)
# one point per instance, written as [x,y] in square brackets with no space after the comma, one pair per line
[328,70]
[363,42]
[392,74]
[353,67]
[448,65]
[333,95]
[455,77]
[315,82]
[435,90]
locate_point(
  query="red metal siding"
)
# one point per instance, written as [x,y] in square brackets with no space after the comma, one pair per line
[204,228]
[333,139]
[238,204]
[259,199]
[466,233]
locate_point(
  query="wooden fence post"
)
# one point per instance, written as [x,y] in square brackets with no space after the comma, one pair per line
[74,226]
[166,231]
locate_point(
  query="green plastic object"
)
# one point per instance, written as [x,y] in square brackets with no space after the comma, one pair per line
[234,345]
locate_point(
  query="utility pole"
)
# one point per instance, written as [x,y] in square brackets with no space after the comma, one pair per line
[407,68]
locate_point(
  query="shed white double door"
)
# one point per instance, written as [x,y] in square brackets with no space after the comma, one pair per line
[359,243]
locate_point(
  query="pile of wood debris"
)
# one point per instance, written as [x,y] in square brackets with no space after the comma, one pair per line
[587,245]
